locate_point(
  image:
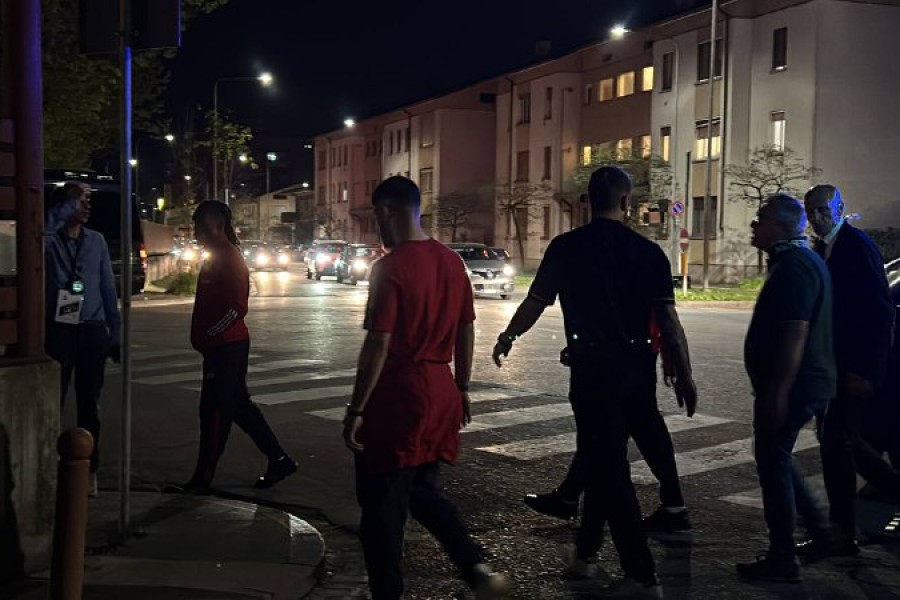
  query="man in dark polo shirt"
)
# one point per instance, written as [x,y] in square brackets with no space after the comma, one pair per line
[789,358]
[408,406]
[610,281]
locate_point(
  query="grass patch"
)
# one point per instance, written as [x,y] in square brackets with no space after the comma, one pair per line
[179,284]
[524,281]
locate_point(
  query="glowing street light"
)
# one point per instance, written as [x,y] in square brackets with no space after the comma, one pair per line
[348,123]
[618,32]
[271,157]
[187,177]
[243,158]
[169,138]
[266,79]
[133,162]
[160,203]
[305,184]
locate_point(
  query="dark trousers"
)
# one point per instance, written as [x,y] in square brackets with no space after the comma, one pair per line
[652,438]
[81,350]
[839,435]
[386,499]
[224,398]
[782,487]
[606,415]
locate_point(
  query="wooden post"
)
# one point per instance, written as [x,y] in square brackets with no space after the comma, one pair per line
[70,529]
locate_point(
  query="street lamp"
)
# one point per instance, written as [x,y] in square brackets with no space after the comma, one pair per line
[243,158]
[305,184]
[618,32]
[169,138]
[265,79]
[349,123]
[133,162]
[270,158]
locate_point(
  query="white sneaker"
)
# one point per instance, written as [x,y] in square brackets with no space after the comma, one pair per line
[92,486]
[632,588]
[488,585]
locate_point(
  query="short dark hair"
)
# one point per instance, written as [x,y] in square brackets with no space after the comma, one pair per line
[789,213]
[221,213]
[65,192]
[607,186]
[397,192]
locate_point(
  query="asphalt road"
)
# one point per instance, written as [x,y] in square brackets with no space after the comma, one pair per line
[306,336]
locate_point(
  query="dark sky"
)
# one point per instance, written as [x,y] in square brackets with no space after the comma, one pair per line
[335,59]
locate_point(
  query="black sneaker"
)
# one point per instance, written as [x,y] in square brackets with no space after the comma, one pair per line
[825,546]
[276,471]
[666,521]
[553,505]
[770,568]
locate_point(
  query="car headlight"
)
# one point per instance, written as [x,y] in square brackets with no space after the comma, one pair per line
[205,255]
[508,270]
[189,254]
[262,259]
[360,265]
[323,258]
[246,253]
[283,259]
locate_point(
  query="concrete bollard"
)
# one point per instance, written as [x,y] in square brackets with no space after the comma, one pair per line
[70,529]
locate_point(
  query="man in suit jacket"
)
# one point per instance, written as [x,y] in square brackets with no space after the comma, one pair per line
[862,323]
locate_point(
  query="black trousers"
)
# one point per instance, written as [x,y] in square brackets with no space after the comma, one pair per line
[81,350]
[606,415]
[224,398]
[386,499]
[653,440]
[839,446]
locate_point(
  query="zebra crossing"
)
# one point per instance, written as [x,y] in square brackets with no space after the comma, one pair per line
[518,425]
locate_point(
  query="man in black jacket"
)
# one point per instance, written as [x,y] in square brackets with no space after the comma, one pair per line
[862,324]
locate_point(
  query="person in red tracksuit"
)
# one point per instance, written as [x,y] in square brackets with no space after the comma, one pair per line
[219,333]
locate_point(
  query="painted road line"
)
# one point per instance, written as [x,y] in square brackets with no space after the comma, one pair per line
[304,395]
[753,498]
[494,393]
[522,416]
[141,354]
[267,380]
[565,442]
[720,456]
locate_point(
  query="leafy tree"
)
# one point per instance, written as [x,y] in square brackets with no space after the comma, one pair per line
[522,203]
[453,211]
[232,147]
[768,170]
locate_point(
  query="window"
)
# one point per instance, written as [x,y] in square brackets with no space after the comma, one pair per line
[778,124]
[548,157]
[607,89]
[588,93]
[701,140]
[323,198]
[547,229]
[525,108]
[697,215]
[623,147]
[548,103]
[426,180]
[522,166]
[668,71]
[665,142]
[625,85]
[331,158]
[586,156]
[344,196]
[647,79]
[346,162]
[646,146]
[391,147]
[406,138]
[703,60]
[779,49]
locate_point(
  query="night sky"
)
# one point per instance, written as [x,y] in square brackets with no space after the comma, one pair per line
[335,59]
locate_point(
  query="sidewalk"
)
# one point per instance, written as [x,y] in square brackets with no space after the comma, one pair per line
[185,547]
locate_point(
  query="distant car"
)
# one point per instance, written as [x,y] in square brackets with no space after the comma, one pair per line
[355,261]
[490,275]
[321,258]
[261,256]
[502,254]
[190,256]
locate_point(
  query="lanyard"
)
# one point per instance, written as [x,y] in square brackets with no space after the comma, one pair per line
[72,256]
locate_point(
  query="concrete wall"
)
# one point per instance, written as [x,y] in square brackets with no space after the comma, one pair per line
[29,415]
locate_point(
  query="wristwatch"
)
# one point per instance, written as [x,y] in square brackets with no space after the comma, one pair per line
[504,339]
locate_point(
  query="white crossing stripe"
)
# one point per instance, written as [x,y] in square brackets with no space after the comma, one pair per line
[152,354]
[565,442]
[265,381]
[194,375]
[753,498]
[492,394]
[138,366]
[303,395]
[720,456]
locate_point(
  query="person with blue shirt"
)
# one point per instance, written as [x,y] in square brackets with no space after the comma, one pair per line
[82,312]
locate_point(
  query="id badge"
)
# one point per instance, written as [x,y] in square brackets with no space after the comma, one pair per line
[68,307]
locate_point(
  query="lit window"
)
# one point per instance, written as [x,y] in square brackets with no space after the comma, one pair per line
[625,85]
[701,140]
[607,89]
[624,147]
[646,146]
[525,108]
[665,138]
[426,180]
[586,155]
[778,123]
[647,79]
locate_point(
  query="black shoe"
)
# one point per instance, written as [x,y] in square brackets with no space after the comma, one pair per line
[191,488]
[826,546]
[770,568]
[276,471]
[553,505]
[666,521]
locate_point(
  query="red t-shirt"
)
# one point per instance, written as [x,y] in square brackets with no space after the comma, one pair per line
[223,289]
[421,295]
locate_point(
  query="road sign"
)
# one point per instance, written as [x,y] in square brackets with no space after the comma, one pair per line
[676,209]
[684,240]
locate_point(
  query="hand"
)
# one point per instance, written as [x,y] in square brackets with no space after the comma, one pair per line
[467,409]
[564,357]
[114,353]
[857,386]
[500,350]
[351,429]
[685,392]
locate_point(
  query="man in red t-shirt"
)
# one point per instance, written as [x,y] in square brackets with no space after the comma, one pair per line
[218,332]
[407,405]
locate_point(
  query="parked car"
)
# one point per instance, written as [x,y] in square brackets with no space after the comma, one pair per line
[355,261]
[261,256]
[490,275]
[106,211]
[321,258]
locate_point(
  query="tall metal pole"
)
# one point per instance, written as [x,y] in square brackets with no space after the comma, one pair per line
[126,254]
[707,199]
[215,140]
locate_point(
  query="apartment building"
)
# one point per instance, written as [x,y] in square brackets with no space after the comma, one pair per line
[446,145]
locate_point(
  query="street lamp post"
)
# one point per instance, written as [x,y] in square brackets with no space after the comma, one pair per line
[270,158]
[266,80]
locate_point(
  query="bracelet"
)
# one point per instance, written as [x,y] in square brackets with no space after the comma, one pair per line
[353,412]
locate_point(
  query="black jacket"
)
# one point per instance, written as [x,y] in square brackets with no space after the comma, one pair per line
[863,311]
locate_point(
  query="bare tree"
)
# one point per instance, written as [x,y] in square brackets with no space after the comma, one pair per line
[522,203]
[453,211]
[769,170]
